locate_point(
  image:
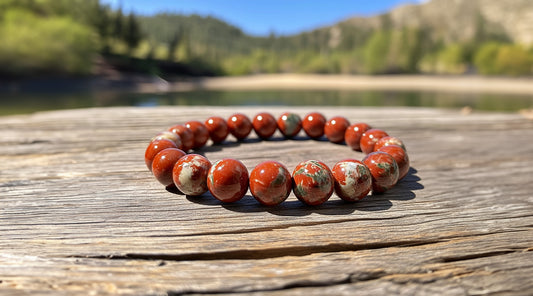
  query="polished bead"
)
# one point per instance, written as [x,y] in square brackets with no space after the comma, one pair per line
[154,147]
[335,129]
[384,171]
[388,140]
[353,180]
[190,174]
[270,183]
[227,180]
[200,133]
[186,136]
[163,164]
[239,126]
[313,125]
[264,125]
[289,124]
[370,138]
[217,128]
[312,182]
[169,136]
[401,158]
[353,134]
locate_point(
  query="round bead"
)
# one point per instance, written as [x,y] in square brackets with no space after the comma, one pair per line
[227,180]
[186,136]
[217,128]
[370,138]
[353,180]
[289,124]
[239,126]
[384,171]
[169,136]
[200,133]
[401,158]
[264,125]
[313,125]
[353,134]
[270,183]
[312,182]
[190,174]
[335,129]
[388,140]
[163,164]
[155,147]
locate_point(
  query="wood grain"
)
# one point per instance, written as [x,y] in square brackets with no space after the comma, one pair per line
[81,214]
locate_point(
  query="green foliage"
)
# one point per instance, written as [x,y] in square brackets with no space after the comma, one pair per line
[514,60]
[485,58]
[376,51]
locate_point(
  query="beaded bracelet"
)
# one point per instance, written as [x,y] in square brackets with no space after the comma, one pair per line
[270,182]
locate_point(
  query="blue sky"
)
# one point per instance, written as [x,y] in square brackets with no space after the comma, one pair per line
[260,17]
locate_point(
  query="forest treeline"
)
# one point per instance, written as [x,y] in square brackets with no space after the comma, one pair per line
[67,37]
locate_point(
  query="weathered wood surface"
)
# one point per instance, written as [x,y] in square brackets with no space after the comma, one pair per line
[81,214]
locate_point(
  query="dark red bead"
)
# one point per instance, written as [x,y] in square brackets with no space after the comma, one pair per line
[227,180]
[154,147]
[289,124]
[163,164]
[313,125]
[186,136]
[270,183]
[200,133]
[217,128]
[239,126]
[384,170]
[386,141]
[401,158]
[370,138]
[190,174]
[335,129]
[353,135]
[264,125]
[313,182]
[353,180]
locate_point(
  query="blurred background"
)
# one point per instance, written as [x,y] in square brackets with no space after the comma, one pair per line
[83,53]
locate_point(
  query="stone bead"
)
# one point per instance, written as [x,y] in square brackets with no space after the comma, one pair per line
[163,164]
[239,126]
[227,180]
[190,174]
[370,138]
[264,125]
[312,182]
[200,133]
[313,125]
[169,136]
[270,183]
[289,124]
[353,135]
[388,140]
[186,136]
[155,147]
[401,158]
[384,171]
[353,180]
[217,128]
[335,129]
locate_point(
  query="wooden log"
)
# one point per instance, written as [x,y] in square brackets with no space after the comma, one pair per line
[81,214]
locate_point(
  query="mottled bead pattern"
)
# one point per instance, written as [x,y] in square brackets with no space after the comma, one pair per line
[289,124]
[312,182]
[353,180]
[270,183]
[169,136]
[401,158]
[190,174]
[384,171]
[227,180]
[387,141]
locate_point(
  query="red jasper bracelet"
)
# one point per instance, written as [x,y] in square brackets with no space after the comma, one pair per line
[270,182]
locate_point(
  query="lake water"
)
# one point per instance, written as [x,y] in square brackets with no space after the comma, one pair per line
[27,103]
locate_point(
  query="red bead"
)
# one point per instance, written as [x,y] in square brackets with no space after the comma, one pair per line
[217,128]
[289,124]
[270,183]
[169,136]
[312,182]
[190,174]
[163,164]
[353,180]
[227,180]
[200,133]
[313,125]
[353,134]
[186,136]
[264,125]
[386,141]
[239,126]
[154,147]
[384,171]
[370,138]
[335,129]
[401,158]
